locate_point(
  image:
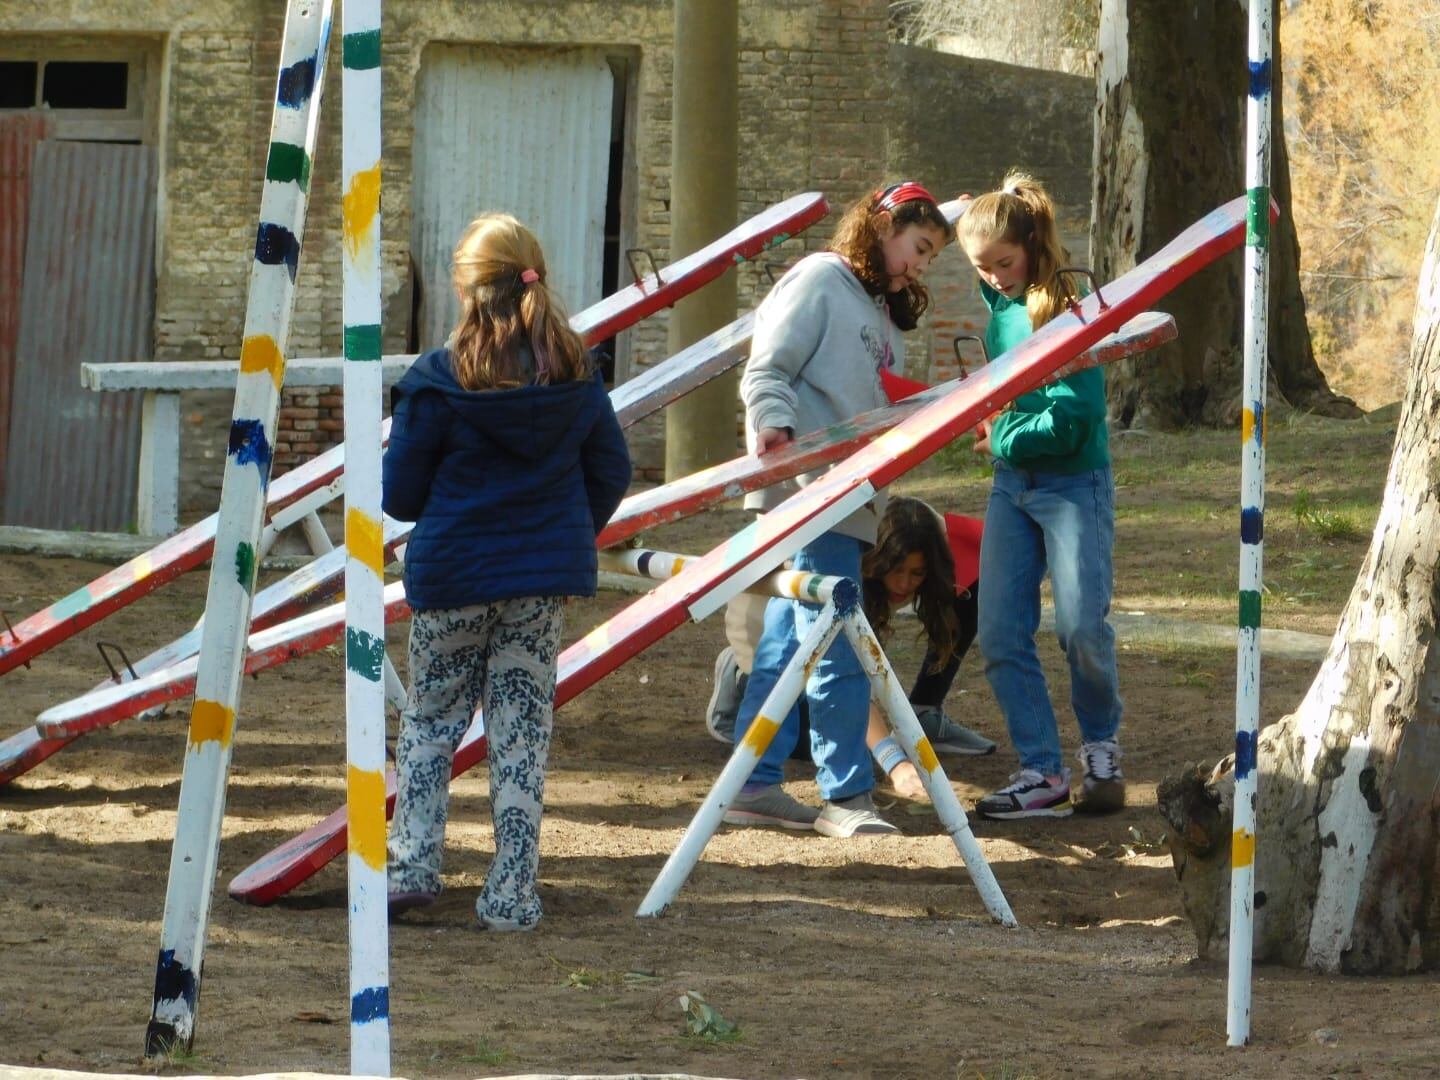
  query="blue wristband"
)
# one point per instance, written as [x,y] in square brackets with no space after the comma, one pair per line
[888,754]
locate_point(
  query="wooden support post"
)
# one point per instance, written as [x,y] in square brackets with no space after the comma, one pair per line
[158,493]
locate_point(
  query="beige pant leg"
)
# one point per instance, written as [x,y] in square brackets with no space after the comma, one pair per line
[744,623]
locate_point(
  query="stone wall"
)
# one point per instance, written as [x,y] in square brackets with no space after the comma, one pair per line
[825,104]
[1056,35]
[958,125]
[813,114]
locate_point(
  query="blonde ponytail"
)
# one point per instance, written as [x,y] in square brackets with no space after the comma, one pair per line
[1022,213]
[505,304]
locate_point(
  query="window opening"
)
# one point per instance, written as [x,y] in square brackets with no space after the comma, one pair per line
[17,83]
[85,84]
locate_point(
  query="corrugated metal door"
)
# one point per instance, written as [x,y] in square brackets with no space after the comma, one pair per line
[523,131]
[19,132]
[88,295]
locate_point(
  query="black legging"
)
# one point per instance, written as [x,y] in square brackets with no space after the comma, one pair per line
[932,686]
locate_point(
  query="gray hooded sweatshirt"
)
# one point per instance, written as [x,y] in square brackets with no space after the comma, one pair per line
[820,341]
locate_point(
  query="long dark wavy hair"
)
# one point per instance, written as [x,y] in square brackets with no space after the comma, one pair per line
[857,239]
[910,525]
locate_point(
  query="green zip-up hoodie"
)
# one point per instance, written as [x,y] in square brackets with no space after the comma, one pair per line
[1059,428]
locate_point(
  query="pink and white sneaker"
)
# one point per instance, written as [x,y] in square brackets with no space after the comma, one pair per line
[1028,795]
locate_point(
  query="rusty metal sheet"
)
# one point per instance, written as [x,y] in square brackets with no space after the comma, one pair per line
[19,132]
[88,294]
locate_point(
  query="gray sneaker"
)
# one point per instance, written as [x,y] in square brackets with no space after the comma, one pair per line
[855,816]
[1103,790]
[948,737]
[770,806]
[725,697]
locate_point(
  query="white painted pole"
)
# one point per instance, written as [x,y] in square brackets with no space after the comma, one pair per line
[1252,524]
[748,752]
[365,660]
[886,689]
[660,565]
[195,854]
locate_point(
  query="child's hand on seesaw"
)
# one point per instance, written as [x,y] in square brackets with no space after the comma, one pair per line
[771,437]
[982,434]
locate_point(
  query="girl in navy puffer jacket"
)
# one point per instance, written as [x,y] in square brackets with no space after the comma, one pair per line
[505,452]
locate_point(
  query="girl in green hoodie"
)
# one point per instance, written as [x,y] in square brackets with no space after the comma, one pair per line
[1051,509]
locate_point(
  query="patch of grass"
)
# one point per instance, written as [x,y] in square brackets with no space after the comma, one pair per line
[1004,1071]
[1193,676]
[957,458]
[1324,523]
[485,1053]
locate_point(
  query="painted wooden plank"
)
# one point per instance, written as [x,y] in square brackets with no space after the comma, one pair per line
[648,509]
[321,579]
[708,582]
[186,550]
[368,908]
[194,856]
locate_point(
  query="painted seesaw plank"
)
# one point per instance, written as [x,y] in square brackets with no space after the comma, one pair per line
[109,703]
[702,587]
[320,579]
[191,546]
[731,479]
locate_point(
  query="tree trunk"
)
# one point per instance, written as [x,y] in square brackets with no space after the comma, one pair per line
[1170,93]
[1348,818]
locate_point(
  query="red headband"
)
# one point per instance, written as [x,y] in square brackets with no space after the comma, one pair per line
[904,192]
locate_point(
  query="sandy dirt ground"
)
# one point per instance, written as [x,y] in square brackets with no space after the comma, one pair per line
[843,958]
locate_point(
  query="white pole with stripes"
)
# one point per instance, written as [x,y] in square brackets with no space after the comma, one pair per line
[283,201]
[1252,523]
[364,563]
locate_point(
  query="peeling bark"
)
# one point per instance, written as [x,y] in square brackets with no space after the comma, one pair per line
[1348,811]
[1170,95]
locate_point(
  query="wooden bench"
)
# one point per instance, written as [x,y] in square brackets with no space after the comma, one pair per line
[161,381]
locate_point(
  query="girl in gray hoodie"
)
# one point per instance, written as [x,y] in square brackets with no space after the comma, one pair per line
[822,336]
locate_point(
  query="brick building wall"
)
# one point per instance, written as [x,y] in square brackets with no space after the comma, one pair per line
[825,104]
[812,115]
[1007,116]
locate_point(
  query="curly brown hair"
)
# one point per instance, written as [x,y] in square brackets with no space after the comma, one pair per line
[858,239]
[910,525]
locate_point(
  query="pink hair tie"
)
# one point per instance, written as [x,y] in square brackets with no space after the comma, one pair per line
[529,276]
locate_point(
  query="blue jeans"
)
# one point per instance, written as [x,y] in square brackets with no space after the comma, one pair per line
[838,690]
[1065,523]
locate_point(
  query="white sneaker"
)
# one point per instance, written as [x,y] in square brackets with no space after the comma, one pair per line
[855,816]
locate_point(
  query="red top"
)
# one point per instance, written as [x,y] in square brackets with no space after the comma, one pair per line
[962,532]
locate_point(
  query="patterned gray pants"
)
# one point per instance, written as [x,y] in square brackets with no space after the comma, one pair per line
[502,655]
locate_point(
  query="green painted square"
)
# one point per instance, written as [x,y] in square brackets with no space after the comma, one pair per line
[362,342]
[1257,217]
[288,164]
[245,567]
[364,654]
[1249,610]
[361,52]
